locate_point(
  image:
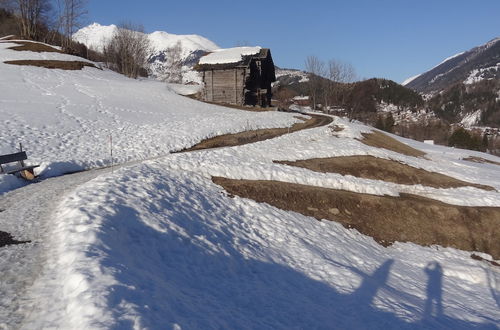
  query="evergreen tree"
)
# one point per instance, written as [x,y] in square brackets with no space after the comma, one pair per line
[380,123]
[485,143]
[389,123]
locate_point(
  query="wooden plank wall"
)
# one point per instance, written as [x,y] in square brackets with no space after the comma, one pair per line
[224,86]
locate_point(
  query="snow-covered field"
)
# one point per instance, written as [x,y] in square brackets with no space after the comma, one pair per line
[156,245]
[67,120]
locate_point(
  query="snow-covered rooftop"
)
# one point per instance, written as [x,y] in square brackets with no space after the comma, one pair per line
[229,55]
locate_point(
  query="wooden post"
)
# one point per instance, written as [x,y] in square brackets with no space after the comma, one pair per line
[21,162]
[236,86]
[111,150]
[212,83]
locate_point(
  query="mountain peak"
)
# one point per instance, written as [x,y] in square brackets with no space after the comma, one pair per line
[193,46]
[483,60]
[95,36]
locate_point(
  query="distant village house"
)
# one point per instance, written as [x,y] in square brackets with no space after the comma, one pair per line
[301,100]
[241,76]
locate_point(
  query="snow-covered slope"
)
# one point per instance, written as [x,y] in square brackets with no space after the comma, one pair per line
[482,62]
[190,43]
[95,36]
[285,77]
[65,119]
[463,88]
[157,245]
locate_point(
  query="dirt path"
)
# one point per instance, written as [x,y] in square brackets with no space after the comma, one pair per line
[238,139]
[407,218]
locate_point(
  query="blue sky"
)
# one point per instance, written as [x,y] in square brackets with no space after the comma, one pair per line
[393,39]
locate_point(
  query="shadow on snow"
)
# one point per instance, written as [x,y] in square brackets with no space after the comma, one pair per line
[172,279]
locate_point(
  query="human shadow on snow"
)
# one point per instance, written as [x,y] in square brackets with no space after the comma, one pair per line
[177,278]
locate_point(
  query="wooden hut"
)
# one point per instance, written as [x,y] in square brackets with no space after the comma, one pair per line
[241,76]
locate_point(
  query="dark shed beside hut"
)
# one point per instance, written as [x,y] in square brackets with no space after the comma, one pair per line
[240,76]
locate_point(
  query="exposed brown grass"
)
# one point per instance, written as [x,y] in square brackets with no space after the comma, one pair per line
[13,37]
[53,64]
[370,167]
[230,140]
[243,107]
[380,140]
[480,160]
[197,97]
[491,262]
[34,47]
[387,219]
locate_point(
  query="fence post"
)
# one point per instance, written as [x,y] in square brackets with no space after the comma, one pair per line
[111,150]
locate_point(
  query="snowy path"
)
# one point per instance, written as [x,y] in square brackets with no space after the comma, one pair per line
[27,213]
[152,248]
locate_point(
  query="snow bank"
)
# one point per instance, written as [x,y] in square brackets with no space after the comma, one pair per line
[229,55]
[185,89]
[149,248]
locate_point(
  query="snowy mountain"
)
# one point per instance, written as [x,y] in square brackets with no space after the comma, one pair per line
[286,77]
[479,63]
[95,36]
[464,88]
[146,238]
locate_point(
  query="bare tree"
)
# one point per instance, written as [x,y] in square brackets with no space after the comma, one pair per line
[172,68]
[338,73]
[284,97]
[316,69]
[32,14]
[127,50]
[71,15]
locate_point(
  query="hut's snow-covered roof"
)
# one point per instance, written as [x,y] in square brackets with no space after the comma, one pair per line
[228,55]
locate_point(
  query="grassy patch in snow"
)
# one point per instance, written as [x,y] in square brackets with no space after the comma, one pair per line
[480,160]
[34,47]
[380,140]
[235,106]
[370,167]
[237,139]
[53,64]
[407,218]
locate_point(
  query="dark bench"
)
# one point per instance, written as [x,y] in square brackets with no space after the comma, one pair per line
[27,172]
